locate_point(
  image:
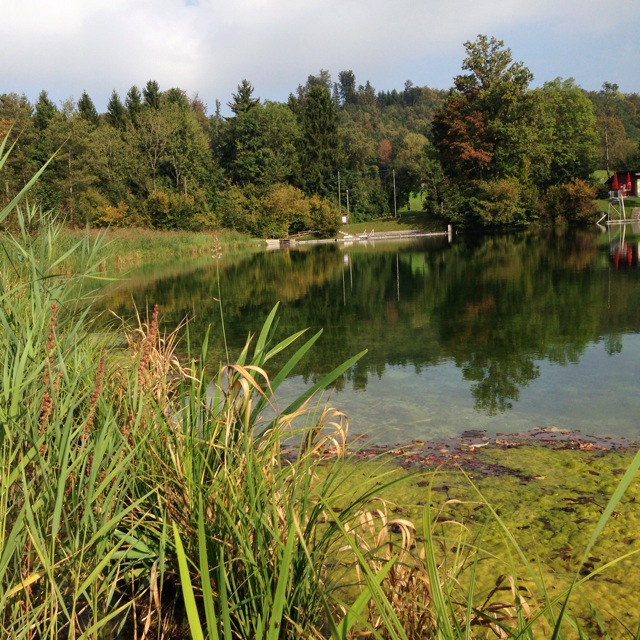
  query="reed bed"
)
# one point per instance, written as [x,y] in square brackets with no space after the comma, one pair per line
[132,248]
[142,496]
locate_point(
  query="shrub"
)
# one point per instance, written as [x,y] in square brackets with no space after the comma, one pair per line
[169,210]
[499,202]
[572,201]
[325,220]
[284,210]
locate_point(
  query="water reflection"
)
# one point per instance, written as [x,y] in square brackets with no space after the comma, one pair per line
[456,332]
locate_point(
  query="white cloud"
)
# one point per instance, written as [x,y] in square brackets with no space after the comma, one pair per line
[209,46]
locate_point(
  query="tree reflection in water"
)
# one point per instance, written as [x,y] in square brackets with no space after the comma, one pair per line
[497,306]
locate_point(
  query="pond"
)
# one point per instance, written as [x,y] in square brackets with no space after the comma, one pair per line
[501,333]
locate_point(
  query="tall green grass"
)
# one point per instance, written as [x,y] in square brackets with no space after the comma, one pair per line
[116,462]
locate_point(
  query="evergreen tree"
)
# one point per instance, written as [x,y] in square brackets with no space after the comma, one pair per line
[151,94]
[320,153]
[133,103]
[116,113]
[16,121]
[87,109]
[45,111]
[177,97]
[243,100]
[347,88]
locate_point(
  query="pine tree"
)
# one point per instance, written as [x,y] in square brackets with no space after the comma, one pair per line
[87,109]
[45,111]
[242,101]
[320,155]
[116,113]
[151,94]
[133,103]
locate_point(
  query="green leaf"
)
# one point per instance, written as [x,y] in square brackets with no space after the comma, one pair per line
[187,588]
[275,618]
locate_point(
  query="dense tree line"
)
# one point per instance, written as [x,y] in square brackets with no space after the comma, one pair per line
[489,151]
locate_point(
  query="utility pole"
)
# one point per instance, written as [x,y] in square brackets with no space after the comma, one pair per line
[395,208]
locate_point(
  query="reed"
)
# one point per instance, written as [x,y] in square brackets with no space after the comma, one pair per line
[136,247]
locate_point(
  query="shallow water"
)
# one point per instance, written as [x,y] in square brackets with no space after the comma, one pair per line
[500,333]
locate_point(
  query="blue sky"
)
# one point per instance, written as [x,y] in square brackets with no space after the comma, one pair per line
[209,46]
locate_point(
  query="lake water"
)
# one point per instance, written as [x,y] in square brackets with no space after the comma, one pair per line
[500,333]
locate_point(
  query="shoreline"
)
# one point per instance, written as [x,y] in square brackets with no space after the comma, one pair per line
[462,451]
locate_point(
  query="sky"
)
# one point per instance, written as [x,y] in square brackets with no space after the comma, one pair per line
[207,47]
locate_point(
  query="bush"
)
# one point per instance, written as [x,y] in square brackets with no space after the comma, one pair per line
[485,203]
[499,202]
[324,219]
[284,210]
[169,210]
[572,201]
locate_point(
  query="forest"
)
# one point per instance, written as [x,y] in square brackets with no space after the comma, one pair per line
[489,151]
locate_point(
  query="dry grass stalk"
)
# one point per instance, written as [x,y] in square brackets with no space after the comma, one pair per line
[408,588]
[496,614]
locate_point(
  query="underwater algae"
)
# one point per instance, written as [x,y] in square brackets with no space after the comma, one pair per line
[521,504]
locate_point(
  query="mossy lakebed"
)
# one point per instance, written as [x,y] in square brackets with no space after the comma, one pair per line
[526,503]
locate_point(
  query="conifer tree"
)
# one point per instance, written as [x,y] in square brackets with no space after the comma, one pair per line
[151,94]
[243,100]
[45,111]
[116,113]
[133,103]
[87,109]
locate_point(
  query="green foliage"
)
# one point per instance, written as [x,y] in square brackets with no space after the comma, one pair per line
[572,139]
[243,100]
[133,104]
[285,209]
[499,202]
[116,112]
[278,212]
[151,94]
[236,210]
[87,109]
[320,154]
[493,129]
[169,210]
[45,111]
[486,127]
[324,219]
[572,201]
[260,146]
[490,126]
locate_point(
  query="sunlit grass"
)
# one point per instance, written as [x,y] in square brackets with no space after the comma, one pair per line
[130,248]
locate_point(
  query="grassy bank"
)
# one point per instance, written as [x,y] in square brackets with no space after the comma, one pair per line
[126,249]
[629,203]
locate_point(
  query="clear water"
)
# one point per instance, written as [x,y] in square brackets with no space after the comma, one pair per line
[501,333]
